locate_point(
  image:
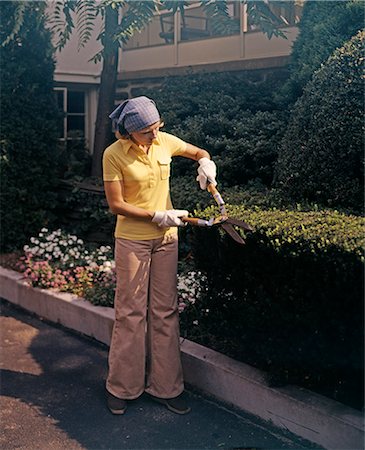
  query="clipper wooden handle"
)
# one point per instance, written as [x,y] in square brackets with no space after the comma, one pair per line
[195,221]
[191,220]
[218,198]
[212,189]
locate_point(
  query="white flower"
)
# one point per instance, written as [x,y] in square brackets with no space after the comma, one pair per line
[80,241]
[44,230]
[195,322]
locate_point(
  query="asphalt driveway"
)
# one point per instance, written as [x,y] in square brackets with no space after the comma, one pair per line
[52,387]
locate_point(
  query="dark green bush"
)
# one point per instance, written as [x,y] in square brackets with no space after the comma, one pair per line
[82,209]
[324,26]
[291,300]
[250,152]
[232,115]
[186,194]
[321,156]
[28,126]
[74,159]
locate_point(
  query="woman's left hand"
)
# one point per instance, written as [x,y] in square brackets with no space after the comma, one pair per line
[207,172]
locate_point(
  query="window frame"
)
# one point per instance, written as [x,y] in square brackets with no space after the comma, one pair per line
[66,114]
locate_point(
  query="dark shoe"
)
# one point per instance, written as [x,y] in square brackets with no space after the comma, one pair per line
[176,405]
[116,405]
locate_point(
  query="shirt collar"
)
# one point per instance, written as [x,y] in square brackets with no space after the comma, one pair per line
[127,143]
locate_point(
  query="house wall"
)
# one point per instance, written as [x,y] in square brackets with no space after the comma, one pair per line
[75,72]
[223,49]
[149,63]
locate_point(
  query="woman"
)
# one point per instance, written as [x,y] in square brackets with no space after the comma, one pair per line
[145,352]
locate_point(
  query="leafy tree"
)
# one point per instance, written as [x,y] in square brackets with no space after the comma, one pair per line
[28,126]
[321,158]
[324,26]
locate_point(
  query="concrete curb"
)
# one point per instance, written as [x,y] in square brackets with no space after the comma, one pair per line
[311,416]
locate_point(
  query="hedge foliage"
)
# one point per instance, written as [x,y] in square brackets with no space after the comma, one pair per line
[232,115]
[28,127]
[324,27]
[321,158]
[293,301]
[82,210]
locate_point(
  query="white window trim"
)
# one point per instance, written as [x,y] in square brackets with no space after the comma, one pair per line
[66,113]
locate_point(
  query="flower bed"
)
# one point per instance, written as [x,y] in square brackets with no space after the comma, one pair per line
[61,261]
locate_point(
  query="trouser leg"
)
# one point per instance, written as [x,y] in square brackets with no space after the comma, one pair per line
[126,377]
[164,377]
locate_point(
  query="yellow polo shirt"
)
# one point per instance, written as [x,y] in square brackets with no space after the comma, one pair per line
[145,179]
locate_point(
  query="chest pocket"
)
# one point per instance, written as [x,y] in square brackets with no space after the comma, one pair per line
[164,165]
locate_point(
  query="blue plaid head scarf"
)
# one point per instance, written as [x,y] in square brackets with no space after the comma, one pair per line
[135,114]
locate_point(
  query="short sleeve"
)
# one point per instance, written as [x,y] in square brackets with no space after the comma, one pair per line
[111,170]
[175,145]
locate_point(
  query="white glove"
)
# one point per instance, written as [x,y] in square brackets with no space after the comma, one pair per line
[170,218]
[207,171]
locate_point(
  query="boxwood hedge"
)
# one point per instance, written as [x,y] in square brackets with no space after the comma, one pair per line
[290,300]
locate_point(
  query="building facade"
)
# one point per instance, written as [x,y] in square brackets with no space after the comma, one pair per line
[172,44]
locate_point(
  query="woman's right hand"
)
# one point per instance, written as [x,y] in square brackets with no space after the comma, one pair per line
[170,218]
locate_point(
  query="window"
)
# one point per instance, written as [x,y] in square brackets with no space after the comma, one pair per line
[71,104]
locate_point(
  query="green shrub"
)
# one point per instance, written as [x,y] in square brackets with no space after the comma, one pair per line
[324,26]
[250,152]
[82,209]
[28,127]
[321,156]
[186,194]
[293,301]
[231,115]
[74,159]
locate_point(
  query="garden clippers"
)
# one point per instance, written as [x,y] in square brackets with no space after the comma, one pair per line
[223,221]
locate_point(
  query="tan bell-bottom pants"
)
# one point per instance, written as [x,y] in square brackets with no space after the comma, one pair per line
[145,347]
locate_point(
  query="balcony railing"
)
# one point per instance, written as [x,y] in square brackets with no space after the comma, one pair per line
[171,28]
